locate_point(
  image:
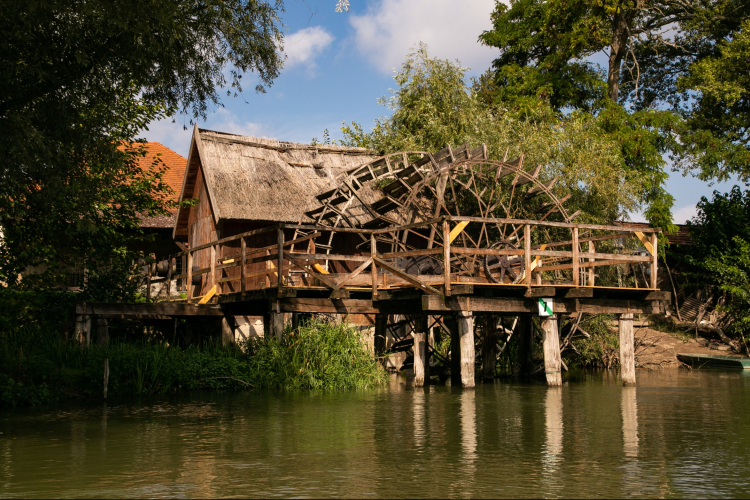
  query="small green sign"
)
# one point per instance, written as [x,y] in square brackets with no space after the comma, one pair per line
[545,307]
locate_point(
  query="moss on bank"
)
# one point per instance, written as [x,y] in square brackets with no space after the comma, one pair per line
[38,366]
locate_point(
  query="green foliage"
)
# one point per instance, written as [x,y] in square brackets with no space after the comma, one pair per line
[434,105]
[37,365]
[600,350]
[719,259]
[83,78]
[317,355]
[674,83]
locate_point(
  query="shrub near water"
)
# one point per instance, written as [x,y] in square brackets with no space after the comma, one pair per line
[37,366]
[317,355]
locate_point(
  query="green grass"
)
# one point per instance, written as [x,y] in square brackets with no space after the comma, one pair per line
[38,366]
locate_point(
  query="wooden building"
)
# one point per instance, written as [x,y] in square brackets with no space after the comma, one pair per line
[245,183]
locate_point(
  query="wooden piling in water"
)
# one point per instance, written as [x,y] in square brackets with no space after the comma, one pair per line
[627,349]
[420,350]
[552,359]
[466,334]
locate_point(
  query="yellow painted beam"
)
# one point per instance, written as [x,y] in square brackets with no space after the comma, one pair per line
[208,296]
[645,241]
[458,230]
[320,269]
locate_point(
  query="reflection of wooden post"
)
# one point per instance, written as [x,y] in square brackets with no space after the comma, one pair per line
[489,341]
[102,331]
[466,333]
[447,256]
[627,350]
[526,330]
[576,260]
[552,359]
[420,338]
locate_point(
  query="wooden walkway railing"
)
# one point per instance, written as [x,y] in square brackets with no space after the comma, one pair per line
[252,261]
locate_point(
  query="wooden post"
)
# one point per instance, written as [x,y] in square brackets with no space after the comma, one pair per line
[243,263]
[102,331]
[227,334]
[526,331]
[420,340]
[212,275]
[169,278]
[654,269]
[627,350]
[189,286]
[527,254]
[552,359]
[374,274]
[489,343]
[280,266]
[79,333]
[381,325]
[451,323]
[576,260]
[277,325]
[466,333]
[295,321]
[447,256]
[591,259]
[148,282]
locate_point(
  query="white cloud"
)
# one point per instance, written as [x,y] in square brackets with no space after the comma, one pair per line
[684,214]
[304,46]
[450,28]
[224,120]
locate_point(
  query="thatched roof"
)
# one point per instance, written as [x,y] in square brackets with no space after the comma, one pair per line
[250,178]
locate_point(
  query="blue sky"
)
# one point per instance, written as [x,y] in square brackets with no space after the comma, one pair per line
[339,64]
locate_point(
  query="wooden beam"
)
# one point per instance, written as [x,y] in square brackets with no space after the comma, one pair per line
[447,257]
[154,309]
[328,306]
[411,279]
[315,274]
[354,273]
[552,359]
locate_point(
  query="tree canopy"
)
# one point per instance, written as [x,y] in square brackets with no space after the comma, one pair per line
[83,78]
[655,92]
[434,105]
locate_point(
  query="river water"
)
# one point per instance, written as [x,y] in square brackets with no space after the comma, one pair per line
[677,434]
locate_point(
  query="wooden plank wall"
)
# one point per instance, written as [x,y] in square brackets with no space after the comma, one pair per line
[201,230]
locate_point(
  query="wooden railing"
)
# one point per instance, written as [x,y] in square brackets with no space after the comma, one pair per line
[252,260]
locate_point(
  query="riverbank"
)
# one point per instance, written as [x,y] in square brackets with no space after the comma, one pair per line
[39,366]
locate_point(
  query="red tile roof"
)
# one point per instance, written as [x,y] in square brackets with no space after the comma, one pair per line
[173,177]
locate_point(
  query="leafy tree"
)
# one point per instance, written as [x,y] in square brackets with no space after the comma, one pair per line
[649,95]
[719,258]
[434,105]
[84,77]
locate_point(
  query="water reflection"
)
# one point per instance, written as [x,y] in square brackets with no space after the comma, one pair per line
[685,434]
[629,422]
[553,426]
